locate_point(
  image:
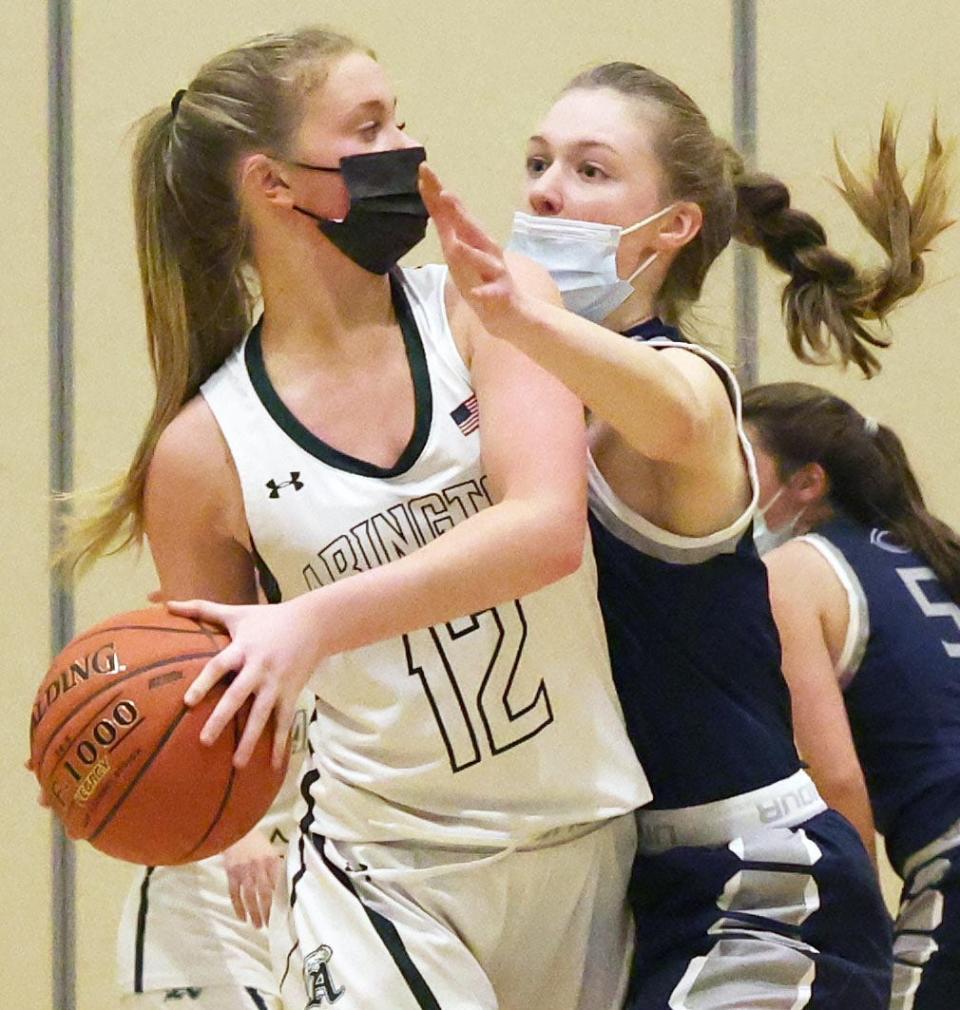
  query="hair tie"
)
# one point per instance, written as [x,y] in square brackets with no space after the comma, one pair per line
[176,100]
[870,426]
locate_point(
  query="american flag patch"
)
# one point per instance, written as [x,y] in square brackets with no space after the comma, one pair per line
[467,415]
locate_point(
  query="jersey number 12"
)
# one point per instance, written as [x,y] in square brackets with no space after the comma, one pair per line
[503,706]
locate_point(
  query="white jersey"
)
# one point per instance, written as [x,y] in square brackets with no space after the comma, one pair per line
[484,731]
[178,928]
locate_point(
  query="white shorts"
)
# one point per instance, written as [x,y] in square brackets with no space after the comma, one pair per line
[415,928]
[208,997]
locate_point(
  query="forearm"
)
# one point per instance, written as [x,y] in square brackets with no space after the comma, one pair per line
[631,387]
[506,551]
[848,796]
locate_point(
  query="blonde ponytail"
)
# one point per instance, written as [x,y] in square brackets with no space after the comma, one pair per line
[193,243]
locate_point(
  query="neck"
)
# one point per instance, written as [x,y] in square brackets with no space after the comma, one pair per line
[642,304]
[313,293]
[638,308]
[815,515]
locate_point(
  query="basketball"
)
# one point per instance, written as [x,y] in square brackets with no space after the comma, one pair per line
[118,754]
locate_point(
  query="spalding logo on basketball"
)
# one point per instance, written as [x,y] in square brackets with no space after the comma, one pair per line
[118,754]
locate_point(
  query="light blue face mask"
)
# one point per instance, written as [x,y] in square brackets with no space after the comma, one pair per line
[581,257]
[766,539]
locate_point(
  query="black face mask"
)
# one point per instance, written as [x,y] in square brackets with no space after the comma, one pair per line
[387,217]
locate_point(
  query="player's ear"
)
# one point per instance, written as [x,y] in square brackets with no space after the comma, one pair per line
[261,178]
[680,226]
[810,483]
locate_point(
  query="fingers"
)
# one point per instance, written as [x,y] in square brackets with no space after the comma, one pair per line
[470,230]
[226,661]
[486,265]
[257,720]
[200,610]
[235,875]
[429,184]
[451,217]
[267,881]
[252,891]
[283,722]
[156,596]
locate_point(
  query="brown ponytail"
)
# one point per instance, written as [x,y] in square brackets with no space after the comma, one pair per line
[827,298]
[870,477]
[192,240]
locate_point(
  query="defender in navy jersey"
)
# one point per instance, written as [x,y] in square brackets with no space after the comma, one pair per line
[874,609]
[747,890]
[745,882]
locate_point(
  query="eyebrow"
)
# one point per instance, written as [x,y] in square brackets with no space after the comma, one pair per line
[578,145]
[371,105]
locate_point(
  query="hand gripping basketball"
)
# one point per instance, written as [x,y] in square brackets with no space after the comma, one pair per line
[118,755]
[272,653]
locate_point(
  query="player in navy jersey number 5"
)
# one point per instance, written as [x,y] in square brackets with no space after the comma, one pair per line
[747,890]
[379,466]
[867,597]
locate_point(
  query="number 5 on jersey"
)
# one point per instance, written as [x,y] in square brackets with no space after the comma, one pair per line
[475,684]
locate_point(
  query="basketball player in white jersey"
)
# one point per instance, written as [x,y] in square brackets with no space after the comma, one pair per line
[467,843]
[195,935]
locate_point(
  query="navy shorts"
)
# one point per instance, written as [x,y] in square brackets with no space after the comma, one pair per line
[781,919]
[926,973]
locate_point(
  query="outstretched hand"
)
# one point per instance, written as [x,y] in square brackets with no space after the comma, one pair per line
[476,262]
[273,651]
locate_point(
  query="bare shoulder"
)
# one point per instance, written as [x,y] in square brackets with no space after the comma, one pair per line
[709,387]
[191,475]
[799,569]
[190,445]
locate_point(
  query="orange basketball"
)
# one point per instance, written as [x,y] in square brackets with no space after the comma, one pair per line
[118,754]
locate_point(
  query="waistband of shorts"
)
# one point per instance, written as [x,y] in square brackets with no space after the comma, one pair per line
[950,839]
[443,860]
[783,804]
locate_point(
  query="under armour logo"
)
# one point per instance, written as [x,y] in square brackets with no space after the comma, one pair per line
[317,978]
[294,482]
[190,992]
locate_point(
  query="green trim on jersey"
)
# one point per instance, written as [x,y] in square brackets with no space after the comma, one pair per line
[423,398]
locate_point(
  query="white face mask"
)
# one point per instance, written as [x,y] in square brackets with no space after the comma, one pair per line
[581,257]
[764,538]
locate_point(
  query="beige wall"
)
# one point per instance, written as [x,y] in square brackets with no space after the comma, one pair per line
[828,68]
[25,879]
[471,78]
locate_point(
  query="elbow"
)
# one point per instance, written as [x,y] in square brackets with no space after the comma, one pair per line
[563,544]
[841,786]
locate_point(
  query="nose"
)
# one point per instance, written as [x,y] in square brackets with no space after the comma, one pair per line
[407,140]
[544,193]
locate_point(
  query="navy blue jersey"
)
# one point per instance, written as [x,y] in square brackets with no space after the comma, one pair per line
[901,676]
[693,645]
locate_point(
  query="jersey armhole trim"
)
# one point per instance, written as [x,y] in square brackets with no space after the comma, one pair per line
[858,611]
[645,536]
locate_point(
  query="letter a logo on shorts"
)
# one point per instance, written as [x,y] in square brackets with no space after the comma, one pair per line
[318,979]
